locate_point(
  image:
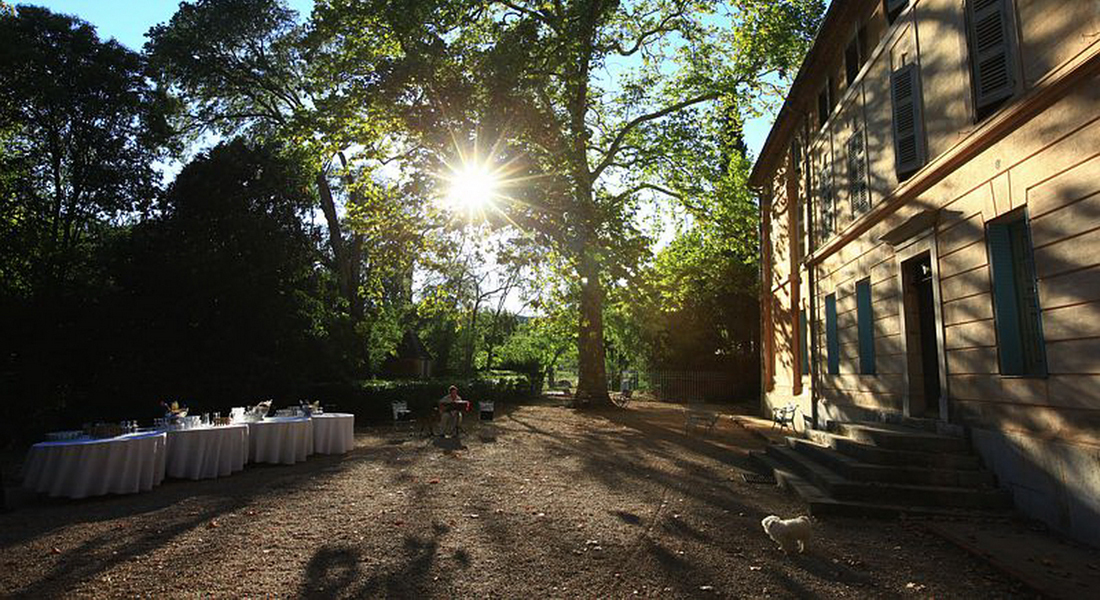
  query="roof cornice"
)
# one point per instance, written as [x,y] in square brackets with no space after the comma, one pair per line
[805,82]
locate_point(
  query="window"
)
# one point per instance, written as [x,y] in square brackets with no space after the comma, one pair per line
[859,194]
[799,229]
[894,8]
[865,318]
[908,120]
[852,61]
[832,341]
[1016,309]
[804,341]
[824,107]
[827,200]
[992,61]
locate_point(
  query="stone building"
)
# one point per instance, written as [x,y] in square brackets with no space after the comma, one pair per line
[930,203]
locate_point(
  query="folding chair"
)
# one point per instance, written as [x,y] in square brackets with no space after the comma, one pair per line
[401,411]
[784,416]
[485,410]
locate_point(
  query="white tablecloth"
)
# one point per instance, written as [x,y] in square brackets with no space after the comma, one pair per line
[281,440]
[333,433]
[207,452]
[81,468]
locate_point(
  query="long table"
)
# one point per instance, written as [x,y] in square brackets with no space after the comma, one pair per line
[139,461]
[280,440]
[333,433]
[207,452]
[88,467]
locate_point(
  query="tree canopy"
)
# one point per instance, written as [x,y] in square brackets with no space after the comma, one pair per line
[261,202]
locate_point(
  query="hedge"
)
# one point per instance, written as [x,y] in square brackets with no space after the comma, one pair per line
[370,400]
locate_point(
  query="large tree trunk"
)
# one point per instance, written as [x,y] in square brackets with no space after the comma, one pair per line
[345,253]
[592,375]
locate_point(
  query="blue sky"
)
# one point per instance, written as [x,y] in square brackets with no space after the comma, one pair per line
[128,20]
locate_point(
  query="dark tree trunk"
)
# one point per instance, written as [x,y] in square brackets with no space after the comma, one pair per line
[592,372]
[345,254]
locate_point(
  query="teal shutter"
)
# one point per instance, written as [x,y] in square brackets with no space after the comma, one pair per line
[908,125]
[858,192]
[828,203]
[832,340]
[1006,310]
[804,341]
[1027,300]
[866,321]
[991,58]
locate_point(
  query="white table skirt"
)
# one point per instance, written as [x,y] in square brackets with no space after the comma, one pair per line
[333,433]
[282,440]
[81,468]
[207,452]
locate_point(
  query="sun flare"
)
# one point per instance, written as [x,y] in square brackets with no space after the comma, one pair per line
[473,188]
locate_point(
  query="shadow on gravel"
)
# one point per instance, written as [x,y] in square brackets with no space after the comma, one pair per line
[256,485]
[343,572]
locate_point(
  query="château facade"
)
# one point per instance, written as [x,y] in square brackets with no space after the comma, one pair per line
[930,208]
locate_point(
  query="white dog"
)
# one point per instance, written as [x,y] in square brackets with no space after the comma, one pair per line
[788,532]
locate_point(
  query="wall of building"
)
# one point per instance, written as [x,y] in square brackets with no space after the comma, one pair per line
[1040,435]
[787,383]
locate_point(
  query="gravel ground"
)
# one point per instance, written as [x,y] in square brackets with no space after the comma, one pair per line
[544,502]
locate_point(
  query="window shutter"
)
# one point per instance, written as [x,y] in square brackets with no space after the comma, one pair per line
[832,341]
[908,123]
[1032,344]
[866,321]
[894,8]
[804,341]
[857,174]
[827,201]
[1005,308]
[990,52]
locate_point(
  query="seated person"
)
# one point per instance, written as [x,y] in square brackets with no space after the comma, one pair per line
[450,411]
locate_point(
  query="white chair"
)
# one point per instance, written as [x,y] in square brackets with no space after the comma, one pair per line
[401,411]
[485,410]
[784,416]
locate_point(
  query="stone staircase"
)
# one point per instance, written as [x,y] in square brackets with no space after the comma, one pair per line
[885,470]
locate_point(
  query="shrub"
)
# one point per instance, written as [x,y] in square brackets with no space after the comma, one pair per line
[370,400]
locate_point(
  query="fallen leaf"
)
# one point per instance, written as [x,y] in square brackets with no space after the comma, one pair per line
[56,550]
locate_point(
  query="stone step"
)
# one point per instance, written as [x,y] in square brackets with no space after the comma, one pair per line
[856,470]
[895,437]
[842,488]
[891,457]
[822,504]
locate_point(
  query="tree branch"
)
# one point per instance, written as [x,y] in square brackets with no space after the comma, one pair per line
[612,150]
[651,186]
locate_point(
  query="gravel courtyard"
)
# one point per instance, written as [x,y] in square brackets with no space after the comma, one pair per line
[545,502]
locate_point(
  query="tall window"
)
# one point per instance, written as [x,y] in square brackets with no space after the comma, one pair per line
[992,58]
[865,318]
[908,121]
[852,61]
[832,339]
[894,8]
[858,192]
[827,202]
[1016,307]
[804,341]
[824,104]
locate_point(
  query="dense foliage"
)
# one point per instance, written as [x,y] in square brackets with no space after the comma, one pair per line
[250,207]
